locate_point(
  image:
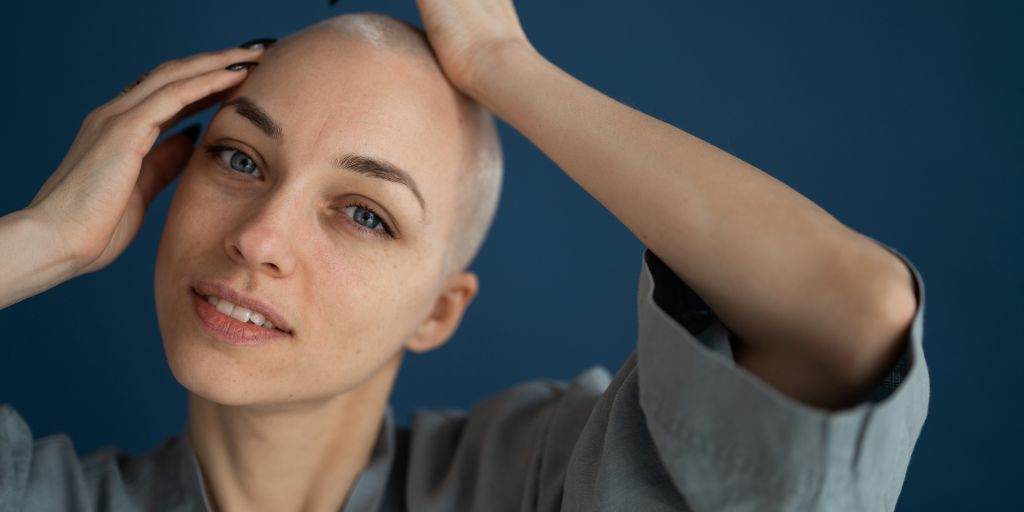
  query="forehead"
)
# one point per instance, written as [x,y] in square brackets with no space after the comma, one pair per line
[332,94]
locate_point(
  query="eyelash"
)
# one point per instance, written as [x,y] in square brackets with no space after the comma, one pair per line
[387,232]
[215,151]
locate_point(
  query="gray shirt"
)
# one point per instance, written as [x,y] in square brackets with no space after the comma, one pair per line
[679,427]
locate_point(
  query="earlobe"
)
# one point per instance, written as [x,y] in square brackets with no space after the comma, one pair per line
[444,319]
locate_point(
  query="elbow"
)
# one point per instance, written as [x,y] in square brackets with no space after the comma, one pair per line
[881,338]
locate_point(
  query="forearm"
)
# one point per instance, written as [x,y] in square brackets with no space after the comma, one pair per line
[33,261]
[778,270]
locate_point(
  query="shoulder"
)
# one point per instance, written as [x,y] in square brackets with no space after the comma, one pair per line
[48,474]
[533,401]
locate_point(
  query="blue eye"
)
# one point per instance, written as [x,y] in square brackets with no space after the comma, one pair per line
[368,219]
[235,159]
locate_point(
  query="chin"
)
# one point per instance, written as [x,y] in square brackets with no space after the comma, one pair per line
[211,374]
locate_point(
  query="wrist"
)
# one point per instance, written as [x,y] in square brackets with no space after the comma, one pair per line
[49,247]
[33,261]
[492,64]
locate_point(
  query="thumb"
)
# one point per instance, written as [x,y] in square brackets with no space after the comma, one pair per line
[165,162]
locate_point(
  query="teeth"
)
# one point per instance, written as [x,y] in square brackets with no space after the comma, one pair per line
[225,307]
[239,313]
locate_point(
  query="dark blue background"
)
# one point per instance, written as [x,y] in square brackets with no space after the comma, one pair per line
[903,119]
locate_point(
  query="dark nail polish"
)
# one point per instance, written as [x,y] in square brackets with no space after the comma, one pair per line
[238,66]
[192,131]
[255,44]
[331,2]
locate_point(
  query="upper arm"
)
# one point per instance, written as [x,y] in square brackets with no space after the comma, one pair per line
[731,440]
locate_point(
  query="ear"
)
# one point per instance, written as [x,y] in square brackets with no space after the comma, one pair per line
[452,302]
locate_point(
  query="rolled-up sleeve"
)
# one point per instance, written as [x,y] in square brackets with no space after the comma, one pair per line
[729,441]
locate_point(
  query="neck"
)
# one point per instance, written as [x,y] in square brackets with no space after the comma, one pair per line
[301,457]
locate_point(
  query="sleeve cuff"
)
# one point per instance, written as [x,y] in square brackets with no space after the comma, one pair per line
[719,427]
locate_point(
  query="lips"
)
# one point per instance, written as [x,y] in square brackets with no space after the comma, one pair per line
[230,330]
[205,289]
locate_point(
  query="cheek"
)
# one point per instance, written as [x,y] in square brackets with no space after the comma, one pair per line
[348,296]
[366,311]
[190,230]
[196,216]
[185,226]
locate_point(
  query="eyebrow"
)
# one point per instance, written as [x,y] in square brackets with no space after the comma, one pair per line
[360,164]
[377,168]
[259,117]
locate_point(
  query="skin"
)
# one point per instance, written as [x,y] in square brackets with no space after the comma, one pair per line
[822,311]
[304,414]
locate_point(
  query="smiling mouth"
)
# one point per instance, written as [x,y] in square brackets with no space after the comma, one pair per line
[239,313]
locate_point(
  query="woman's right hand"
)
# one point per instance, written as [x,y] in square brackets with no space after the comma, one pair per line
[94,203]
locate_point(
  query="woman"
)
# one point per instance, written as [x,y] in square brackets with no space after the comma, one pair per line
[325,226]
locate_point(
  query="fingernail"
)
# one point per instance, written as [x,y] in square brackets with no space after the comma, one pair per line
[331,2]
[256,44]
[238,66]
[192,131]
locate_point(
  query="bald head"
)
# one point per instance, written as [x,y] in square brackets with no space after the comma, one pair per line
[479,176]
[347,183]
[380,30]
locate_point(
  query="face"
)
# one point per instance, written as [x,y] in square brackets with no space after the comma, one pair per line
[283,201]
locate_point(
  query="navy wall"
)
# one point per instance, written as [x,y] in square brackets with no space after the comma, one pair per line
[903,119]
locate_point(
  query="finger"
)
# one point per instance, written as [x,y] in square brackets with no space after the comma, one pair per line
[141,125]
[165,162]
[195,108]
[175,70]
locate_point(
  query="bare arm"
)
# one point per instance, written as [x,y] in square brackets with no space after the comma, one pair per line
[821,310]
[33,258]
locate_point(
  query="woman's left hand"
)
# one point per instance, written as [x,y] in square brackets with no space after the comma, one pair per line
[463,32]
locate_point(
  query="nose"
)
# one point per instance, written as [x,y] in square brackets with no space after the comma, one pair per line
[261,241]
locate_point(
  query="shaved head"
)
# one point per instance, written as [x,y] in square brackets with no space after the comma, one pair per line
[480,175]
[347,184]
